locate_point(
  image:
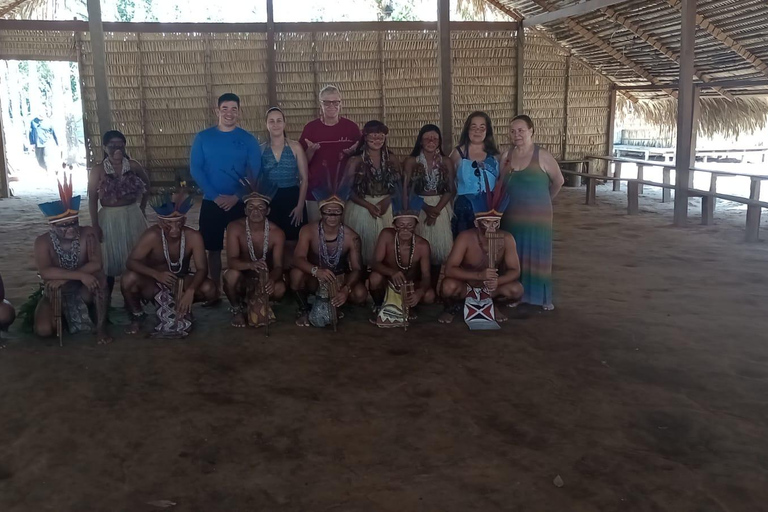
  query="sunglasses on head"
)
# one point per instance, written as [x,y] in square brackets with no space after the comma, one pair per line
[477,166]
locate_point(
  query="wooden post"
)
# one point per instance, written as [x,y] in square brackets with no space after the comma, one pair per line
[520,90]
[666,194]
[633,198]
[5,189]
[753,212]
[591,191]
[143,103]
[382,69]
[271,66]
[616,174]
[564,148]
[685,111]
[99,52]
[609,132]
[707,210]
[640,172]
[444,51]
[211,104]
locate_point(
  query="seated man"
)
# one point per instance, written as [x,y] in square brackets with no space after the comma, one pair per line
[475,265]
[327,258]
[401,258]
[159,268]
[7,313]
[68,260]
[252,241]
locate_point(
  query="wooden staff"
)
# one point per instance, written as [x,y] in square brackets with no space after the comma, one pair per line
[405,292]
[263,277]
[178,290]
[332,290]
[493,244]
[57,314]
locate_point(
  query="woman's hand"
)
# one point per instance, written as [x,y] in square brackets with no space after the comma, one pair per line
[297,215]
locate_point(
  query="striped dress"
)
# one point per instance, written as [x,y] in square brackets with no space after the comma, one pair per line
[529,219]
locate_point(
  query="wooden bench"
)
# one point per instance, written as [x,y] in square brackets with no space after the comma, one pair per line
[572,180]
[592,180]
[708,198]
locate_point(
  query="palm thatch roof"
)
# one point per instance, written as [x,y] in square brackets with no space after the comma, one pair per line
[637,42]
[27,9]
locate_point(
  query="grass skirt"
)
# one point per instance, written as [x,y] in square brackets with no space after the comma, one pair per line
[439,236]
[122,227]
[368,228]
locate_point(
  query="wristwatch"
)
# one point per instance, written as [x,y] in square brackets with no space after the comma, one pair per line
[314,271]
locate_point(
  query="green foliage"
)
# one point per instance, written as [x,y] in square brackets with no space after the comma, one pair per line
[126,10]
[27,310]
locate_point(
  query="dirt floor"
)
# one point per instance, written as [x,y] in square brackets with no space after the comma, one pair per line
[645,390]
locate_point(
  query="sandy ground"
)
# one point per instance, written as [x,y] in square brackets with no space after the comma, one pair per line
[645,390]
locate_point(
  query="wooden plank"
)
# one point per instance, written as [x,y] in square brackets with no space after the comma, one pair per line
[4,187]
[708,210]
[382,71]
[143,111]
[640,172]
[685,111]
[592,191]
[617,174]
[633,197]
[520,71]
[570,11]
[98,51]
[180,28]
[91,159]
[666,194]
[271,57]
[753,213]
[694,133]
[444,52]
[733,83]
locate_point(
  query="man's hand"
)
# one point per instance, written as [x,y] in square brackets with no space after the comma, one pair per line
[374,210]
[414,298]
[491,284]
[90,282]
[325,275]
[167,278]
[297,215]
[311,148]
[259,265]
[398,279]
[269,288]
[351,149]
[226,202]
[341,297]
[488,274]
[185,303]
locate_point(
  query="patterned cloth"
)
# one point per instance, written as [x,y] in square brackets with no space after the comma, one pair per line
[169,326]
[284,173]
[529,219]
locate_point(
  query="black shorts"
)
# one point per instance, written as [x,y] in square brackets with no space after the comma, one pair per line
[214,221]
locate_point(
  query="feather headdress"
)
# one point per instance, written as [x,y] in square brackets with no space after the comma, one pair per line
[491,203]
[406,203]
[336,190]
[67,207]
[257,187]
[169,205]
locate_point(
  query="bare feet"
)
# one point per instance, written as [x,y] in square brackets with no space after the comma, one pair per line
[238,319]
[212,303]
[500,317]
[447,316]
[303,320]
[104,338]
[135,325]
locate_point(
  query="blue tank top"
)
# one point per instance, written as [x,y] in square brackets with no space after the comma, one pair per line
[469,176]
[284,173]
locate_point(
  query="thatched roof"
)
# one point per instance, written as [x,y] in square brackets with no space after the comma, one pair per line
[638,42]
[26,9]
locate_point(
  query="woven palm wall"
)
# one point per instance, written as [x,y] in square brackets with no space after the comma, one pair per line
[163,87]
[544,96]
[589,99]
[484,78]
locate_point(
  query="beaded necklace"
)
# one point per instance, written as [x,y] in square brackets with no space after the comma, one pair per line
[69,260]
[398,258]
[249,240]
[327,260]
[432,174]
[178,264]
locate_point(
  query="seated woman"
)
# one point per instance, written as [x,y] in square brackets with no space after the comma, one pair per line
[284,163]
[375,173]
[431,174]
[475,160]
[7,313]
[119,184]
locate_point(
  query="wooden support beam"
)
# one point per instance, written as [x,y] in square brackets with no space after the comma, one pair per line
[658,45]
[444,52]
[640,176]
[520,71]
[727,84]
[143,110]
[271,56]
[753,213]
[708,210]
[633,197]
[666,194]
[592,38]
[382,70]
[696,92]
[724,37]
[570,11]
[99,52]
[564,148]
[685,112]
[4,186]
[616,174]
[610,129]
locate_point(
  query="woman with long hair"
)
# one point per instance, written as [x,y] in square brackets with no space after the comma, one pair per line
[121,185]
[284,163]
[375,172]
[533,179]
[475,160]
[431,174]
